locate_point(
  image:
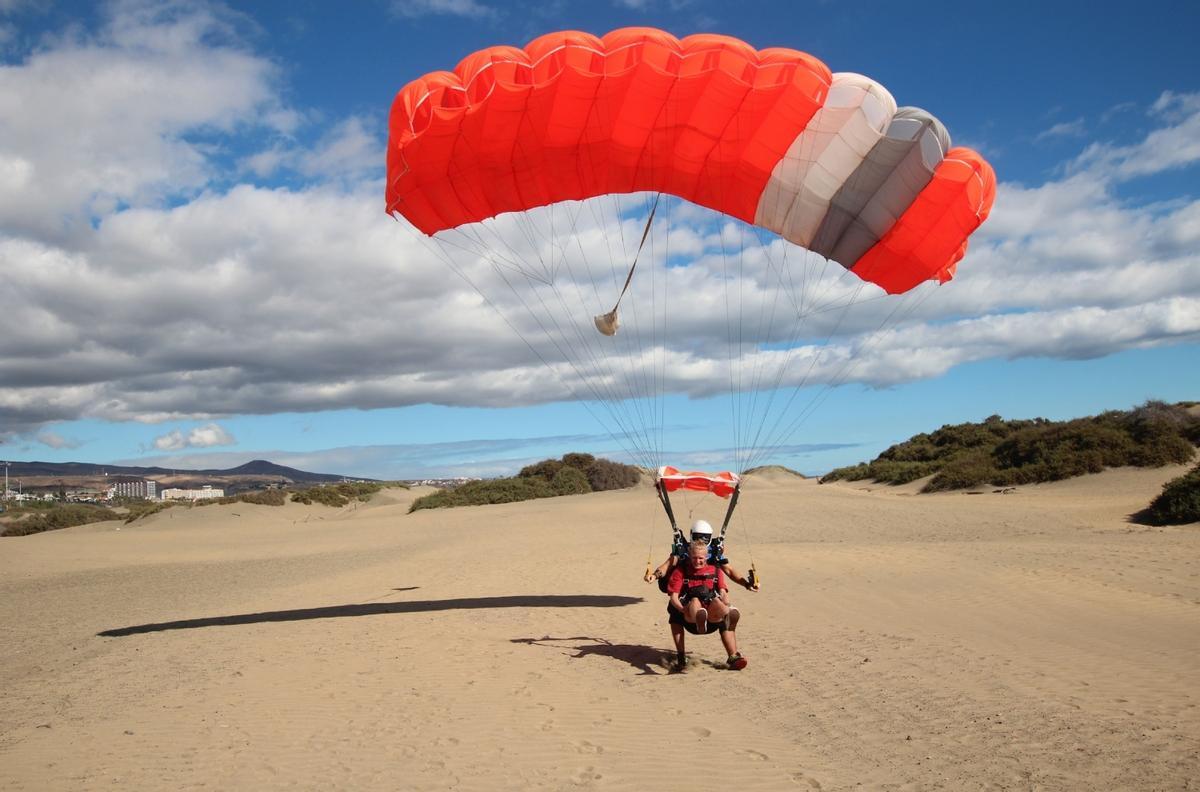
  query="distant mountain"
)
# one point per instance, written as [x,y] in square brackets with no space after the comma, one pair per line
[258,467]
[261,467]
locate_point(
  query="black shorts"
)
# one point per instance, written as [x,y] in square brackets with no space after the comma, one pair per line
[675,617]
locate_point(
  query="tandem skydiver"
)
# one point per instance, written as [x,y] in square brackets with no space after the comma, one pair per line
[701,531]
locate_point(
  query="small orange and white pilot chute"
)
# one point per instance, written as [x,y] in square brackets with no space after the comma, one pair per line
[722,484]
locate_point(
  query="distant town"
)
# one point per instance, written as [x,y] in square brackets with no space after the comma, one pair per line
[96,485]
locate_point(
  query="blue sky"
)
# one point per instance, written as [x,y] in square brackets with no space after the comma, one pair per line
[197,270]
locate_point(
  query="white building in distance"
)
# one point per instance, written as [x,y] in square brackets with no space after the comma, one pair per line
[206,491]
[134,488]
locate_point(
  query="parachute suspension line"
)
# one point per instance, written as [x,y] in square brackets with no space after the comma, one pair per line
[434,249]
[905,304]
[772,441]
[729,360]
[805,296]
[593,383]
[634,404]
[645,233]
[628,403]
[640,369]
[856,360]
[525,225]
[588,339]
[761,367]
[659,340]
[793,345]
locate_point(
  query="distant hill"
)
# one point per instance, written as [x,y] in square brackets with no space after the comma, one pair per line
[767,469]
[1002,453]
[258,468]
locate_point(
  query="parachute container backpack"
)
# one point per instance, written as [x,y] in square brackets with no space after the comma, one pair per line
[663,219]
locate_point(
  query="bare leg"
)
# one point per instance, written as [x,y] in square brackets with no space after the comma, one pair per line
[695,613]
[729,639]
[679,636]
[716,610]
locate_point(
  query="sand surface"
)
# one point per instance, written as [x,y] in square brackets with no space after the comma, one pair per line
[1030,640]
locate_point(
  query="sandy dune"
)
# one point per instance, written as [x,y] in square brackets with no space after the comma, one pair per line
[1030,640]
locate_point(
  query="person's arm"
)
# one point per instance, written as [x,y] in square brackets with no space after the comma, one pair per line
[736,577]
[674,587]
[663,569]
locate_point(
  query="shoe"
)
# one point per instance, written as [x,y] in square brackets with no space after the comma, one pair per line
[737,662]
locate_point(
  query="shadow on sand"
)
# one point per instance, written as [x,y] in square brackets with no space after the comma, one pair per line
[646,659]
[382,608]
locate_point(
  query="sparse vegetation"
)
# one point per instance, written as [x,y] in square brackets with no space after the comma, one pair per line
[1178,503]
[574,474]
[144,508]
[267,497]
[338,495]
[36,518]
[1006,453]
[773,469]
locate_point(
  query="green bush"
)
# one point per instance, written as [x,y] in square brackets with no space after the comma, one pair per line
[966,470]
[267,497]
[578,460]
[1178,503]
[574,474]
[851,473]
[570,481]
[61,515]
[478,493]
[337,495]
[1006,453]
[604,474]
[546,469]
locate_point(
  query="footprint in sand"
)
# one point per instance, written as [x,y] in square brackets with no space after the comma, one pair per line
[586,747]
[760,757]
[701,732]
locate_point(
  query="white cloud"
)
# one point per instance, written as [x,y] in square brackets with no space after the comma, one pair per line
[1065,129]
[93,122]
[348,151]
[55,440]
[462,8]
[1173,145]
[198,437]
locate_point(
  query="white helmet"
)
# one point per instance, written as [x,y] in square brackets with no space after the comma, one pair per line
[701,530]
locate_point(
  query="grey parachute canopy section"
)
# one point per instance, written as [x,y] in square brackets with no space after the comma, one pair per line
[896,169]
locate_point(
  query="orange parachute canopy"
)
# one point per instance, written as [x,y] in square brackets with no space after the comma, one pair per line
[770,136]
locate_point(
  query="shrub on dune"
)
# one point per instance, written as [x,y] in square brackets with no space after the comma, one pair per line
[338,495]
[1005,453]
[570,481]
[59,515]
[1178,503]
[574,474]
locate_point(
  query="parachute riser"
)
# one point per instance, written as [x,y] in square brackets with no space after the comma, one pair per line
[665,499]
[733,499]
